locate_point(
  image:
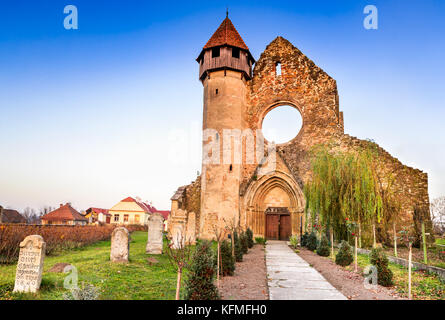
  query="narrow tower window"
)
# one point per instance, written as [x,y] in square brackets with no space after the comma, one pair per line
[278,69]
[215,52]
[231,168]
[216,91]
[235,53]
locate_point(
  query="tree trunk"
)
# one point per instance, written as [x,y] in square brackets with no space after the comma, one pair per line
[218,266]
[425,257]
[178,283]
[359,235]
[409,271]
[332,243]
[395,239]
[374,242]
[355,255]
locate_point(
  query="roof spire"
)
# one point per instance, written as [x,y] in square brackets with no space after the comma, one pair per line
[227,12]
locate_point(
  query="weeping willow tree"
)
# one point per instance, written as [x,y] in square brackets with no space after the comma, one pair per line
[344,187]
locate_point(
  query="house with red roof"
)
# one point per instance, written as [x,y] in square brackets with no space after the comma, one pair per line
[11,216]
[64,215]
[98,216]
[130,211]
[133,211]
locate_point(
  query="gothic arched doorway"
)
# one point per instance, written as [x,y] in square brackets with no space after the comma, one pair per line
[273,206]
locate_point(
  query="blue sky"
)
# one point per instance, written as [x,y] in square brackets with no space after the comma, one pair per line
[90,116]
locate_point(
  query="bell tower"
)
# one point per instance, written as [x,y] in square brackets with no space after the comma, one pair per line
[225,65]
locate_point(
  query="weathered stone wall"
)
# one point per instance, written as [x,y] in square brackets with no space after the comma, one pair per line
[309,89]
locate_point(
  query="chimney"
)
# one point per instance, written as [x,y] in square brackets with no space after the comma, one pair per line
[61,205]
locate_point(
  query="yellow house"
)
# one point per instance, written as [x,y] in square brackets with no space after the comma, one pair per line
[130,211]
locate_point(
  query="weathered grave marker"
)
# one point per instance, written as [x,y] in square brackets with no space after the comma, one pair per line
[30,265]
[120,245]
[155,232]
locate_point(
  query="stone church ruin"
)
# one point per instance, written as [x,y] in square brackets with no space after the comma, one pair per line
[238,94]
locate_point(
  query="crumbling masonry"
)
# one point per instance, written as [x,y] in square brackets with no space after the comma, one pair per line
[237,98]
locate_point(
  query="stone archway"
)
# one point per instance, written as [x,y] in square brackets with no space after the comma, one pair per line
[277,190]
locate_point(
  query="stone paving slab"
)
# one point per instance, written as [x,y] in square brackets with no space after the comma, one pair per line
[291,278]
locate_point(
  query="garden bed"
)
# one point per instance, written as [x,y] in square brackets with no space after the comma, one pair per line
[249,280]
[425,286]
[349,283]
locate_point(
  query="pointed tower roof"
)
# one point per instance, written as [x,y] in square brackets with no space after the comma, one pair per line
[226,34]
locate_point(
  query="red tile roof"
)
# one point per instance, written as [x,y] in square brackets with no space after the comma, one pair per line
[129,199]
[98,210]
[64,213]
[12,216]
[165,214]
[226,34]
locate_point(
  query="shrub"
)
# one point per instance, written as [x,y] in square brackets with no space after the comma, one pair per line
[238,248]
[244,242]
[323,247]
[227,267]
[304,238]
[260,240]
[344,256]
[379,259]
[249,234]
[199,284]
[311,242]
[57,238]
[293,241]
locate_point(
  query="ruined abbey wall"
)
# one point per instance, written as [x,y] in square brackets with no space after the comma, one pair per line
[314,93]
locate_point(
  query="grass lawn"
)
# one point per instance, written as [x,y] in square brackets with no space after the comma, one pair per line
[424,286]
[440,241]
[133,281]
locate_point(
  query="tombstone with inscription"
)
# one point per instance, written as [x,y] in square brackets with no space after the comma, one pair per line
[155,232]
[120,245]
[30,265]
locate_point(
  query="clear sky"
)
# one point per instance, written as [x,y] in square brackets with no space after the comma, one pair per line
[114,109]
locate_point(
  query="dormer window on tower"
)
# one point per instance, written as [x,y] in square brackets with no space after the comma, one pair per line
[235,53]
[216,52]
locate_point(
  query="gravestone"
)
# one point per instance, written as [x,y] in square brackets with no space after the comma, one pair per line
[155,233]
[178,236]
[30,265]
[120,245]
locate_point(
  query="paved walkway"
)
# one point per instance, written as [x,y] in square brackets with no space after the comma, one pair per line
[291,278]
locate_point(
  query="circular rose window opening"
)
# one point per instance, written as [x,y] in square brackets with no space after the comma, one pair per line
[282,124]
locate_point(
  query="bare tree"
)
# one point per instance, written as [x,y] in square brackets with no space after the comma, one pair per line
[44,210]
[179,255]
[219,233]
[437,208]
[31,216]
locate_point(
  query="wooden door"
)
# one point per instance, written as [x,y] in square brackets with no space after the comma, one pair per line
[272,226]
[285,227]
